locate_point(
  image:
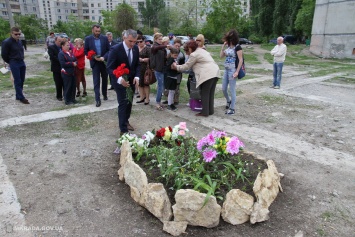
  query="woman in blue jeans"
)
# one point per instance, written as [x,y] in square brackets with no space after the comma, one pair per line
[232,65]
[158,63]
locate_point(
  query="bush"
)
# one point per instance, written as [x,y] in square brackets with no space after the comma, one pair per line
[256,39]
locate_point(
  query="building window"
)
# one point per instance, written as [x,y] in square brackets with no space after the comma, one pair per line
[99,4]
[93,18]
[58,10]
[4,13]
[34,9]
[92,11]
[73,4]
[58,3]
[66,11]
[59,17]
[92,5]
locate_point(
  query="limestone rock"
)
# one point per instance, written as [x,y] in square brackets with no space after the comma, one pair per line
[237,207]
[189,207]
[259,213]
[156,200]
[126,153]
[135,177]
[175,228]
[121,174]
[267,185]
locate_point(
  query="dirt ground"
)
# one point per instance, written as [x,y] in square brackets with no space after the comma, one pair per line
[62,172]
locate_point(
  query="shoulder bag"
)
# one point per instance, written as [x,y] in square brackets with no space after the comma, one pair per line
[149,76]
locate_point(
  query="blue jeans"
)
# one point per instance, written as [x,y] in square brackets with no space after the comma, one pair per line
[160,80]
[18,70]
[229,80]
[277,73]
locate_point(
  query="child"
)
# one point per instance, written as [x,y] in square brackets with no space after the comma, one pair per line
[171,78]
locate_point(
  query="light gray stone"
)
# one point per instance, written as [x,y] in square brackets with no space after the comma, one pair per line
[237,207]
[156,200]
[120,173]
[189,207]
[267,185]
[136,178]
[126,153]
[259,213]
[175,228]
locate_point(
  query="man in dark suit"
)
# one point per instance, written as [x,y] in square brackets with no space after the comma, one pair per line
[126,52]
[98,43]
[53,51]
[112,43]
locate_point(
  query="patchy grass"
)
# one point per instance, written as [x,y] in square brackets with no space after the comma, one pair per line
[342,80]
[272,99]
[80,122]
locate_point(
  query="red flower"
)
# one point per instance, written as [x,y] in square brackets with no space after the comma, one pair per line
[121,70]
[160,133]
[91,54]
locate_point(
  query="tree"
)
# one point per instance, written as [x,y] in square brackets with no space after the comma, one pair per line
[222,16]
[279,17]
[265,20]
[125,17]
[4,29]
[149,12]
[304,19]
[31,26]
[74,27]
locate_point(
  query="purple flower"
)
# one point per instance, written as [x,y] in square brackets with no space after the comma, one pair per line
[210,139]
[233,145]
[209,155]
[218,134]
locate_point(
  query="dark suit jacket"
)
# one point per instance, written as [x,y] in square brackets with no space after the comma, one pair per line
[66,62]
[113,42]
[118,55]
[90,45]
[53,52]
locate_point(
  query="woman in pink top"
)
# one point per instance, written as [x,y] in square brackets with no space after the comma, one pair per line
[80,68]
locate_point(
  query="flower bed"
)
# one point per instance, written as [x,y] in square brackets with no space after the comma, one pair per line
[199,177]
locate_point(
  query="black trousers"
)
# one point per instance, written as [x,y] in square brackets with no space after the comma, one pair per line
[99,69]
[69,82]
[207,96]
[57,76]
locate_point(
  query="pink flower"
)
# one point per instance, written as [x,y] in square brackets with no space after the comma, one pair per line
[182,132]
[182,125]
[209,155]
[233,145]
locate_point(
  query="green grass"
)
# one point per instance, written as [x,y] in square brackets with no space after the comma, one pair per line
[272,99]
[80,122]
[342,80]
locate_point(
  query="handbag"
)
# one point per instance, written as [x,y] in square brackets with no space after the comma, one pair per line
[241,72]
[149,76]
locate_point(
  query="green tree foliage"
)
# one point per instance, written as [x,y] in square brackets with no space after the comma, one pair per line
[265,20]
[184,21]
[304,18]
[31,26]
[124,17]
[149,12]
[222,16]
[280,17]
[4,29]
[74,27]
[108,21]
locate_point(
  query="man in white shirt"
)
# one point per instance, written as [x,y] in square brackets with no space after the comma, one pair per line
[279,53]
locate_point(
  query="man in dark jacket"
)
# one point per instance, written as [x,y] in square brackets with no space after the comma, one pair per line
[112,43]
[53,51]
[12,53]
[98,43]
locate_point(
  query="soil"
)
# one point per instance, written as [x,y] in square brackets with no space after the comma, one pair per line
[55,174]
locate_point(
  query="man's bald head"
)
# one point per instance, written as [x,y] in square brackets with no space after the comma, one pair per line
[280,40]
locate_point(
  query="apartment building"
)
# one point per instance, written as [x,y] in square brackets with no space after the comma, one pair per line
[52,11]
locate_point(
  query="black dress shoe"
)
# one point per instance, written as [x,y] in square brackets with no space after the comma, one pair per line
[59,99]
[199,114]
[129,127]
[25,101]
[105,98]
[98,103]
[111,88]
[140,101]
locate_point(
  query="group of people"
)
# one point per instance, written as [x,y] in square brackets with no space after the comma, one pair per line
[164,56]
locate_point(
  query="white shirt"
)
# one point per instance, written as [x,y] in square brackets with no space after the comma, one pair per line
[279,53]
[136,79]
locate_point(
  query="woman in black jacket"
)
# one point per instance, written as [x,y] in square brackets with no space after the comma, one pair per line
[68,63]
[158,63]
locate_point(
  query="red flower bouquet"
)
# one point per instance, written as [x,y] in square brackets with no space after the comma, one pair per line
[91,55]
[122,71]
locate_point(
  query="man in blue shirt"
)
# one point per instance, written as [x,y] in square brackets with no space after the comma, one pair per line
[12,53]
[98,43]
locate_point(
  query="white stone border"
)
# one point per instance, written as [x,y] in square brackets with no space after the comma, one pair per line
[239,207]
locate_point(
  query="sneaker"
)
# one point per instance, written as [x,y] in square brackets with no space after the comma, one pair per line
[165,102]
[230,111]
[172,107]
[188,104]
[276,87]
[272,86]
[228,104]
